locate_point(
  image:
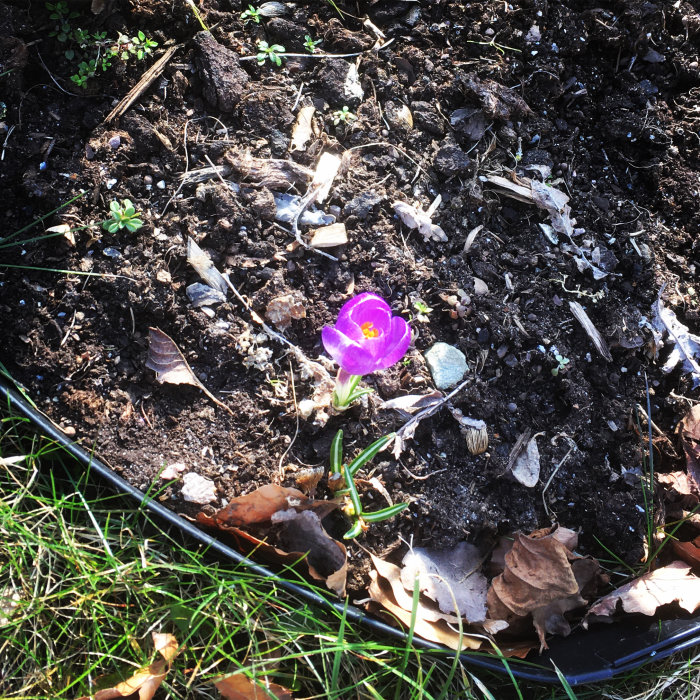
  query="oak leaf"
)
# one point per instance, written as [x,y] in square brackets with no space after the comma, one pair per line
[239,687]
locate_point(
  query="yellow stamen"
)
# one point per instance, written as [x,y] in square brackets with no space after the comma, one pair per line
[368,330]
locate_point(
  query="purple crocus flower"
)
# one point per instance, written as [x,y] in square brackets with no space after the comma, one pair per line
[365,338]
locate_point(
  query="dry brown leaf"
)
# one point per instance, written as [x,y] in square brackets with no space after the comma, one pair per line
[451,577]
[689,431]
[307,479]
[145,681]
[542,578]
[689,552]
[413,402]
[438,632]
[300,531]
[674,583]
[283,310]
[259,506]
[239,687]
[170,365]
[392,575]
[326,170]
[680,488]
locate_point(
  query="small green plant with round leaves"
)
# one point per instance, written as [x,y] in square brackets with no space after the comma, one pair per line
[310,45]
[561,363]
[343,115]
[123,215]
[273,53]
[251,15]
[342,482]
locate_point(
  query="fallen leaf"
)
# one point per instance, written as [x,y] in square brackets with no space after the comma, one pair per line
[302,129]
[451,577]
[64,229]
[147,680]
[300,538]
[544,579]
[438,632]
[283,310]
[686,346]
[689,552]
[205,268]
[680,487]
[674,583]
[689,431]
[525,458]
[239,687]
[170,365]
[260,505]
[307,479]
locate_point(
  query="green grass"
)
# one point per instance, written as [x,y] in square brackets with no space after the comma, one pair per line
[86,576]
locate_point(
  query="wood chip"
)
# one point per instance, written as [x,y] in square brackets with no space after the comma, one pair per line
[326,170]
[302,129]
[329,236]
[598,341]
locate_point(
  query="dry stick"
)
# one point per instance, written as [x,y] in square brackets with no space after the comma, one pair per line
[304,204]
[411,425]
[280,469]
[146,79]
[303,359]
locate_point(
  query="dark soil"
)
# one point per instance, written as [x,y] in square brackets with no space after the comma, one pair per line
[606,98]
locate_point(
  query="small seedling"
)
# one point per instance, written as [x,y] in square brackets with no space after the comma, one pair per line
[423,311]
[310,45]
[124,215]
[273,53]
[561,364]
[342,483]
[251,15]
[343,115]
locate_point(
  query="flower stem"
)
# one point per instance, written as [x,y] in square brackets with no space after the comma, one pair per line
[346,390]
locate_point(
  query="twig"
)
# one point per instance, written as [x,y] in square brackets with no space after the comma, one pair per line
[146,79]
[572,447]
[296,429]
[304,204]
[407,431]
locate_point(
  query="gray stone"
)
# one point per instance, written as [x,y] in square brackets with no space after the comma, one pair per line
[447,364]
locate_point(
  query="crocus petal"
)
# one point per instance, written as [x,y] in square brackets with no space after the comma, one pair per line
[398,341]
[374,310]
[349,355]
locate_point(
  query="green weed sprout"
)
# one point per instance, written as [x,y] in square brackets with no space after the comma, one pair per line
[343,115]
[274,53]
[561,363]
[341,482]
[124,215]
[251,15]
[310,45]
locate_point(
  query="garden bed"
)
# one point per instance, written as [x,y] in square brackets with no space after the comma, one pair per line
[594,102]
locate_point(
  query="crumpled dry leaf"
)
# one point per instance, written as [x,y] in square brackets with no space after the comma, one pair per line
[543,578]
[674,583]
[438,631]
[259,506]
[239,687]
[270,505]
[170,365]
[422,220]
[147,680]
[283,310]
[686,345]
[449,578]
[680,488]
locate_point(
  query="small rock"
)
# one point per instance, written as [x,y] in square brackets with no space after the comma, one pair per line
[197,489]
[447,364]
[115,142]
